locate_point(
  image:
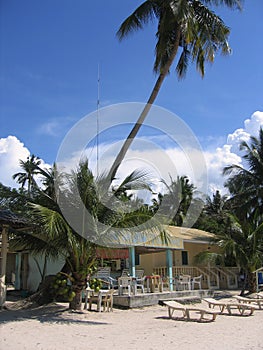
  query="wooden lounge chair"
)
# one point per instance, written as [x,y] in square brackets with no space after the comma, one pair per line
[241,307]
[259,295]
[257,301]
[173,306]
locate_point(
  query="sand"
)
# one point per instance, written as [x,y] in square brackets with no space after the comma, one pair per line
[55,327]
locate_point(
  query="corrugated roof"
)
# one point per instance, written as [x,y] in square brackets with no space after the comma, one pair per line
[10,219]
[189,234]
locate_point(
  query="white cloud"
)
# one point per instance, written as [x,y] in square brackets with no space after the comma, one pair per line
[229,153]
[11,151]
[55,126]
[160,163]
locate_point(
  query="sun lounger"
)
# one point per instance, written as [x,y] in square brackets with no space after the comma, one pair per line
[173,306]
[241,307]
[257,301]
[259,295]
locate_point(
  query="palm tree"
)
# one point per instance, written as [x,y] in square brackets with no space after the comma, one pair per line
[241,245]
[188,25]
[215,215]
[30,167]
[175,202]
[243,242]
[246,184]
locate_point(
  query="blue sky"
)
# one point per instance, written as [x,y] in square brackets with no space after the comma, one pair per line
[49,56]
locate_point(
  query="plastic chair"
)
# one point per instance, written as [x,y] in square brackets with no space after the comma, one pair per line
[197,280]
[124,283]
[183,282]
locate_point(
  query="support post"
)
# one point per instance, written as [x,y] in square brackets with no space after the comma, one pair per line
[3,265]
[169,264]
[132,261]
[18,271]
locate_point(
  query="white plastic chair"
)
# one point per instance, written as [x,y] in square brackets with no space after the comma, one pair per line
[183,282]
[197,280]
[124,283]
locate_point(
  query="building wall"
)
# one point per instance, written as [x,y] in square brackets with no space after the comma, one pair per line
[150,261]
[34,277]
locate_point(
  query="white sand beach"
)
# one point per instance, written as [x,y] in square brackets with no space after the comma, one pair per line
[55,327]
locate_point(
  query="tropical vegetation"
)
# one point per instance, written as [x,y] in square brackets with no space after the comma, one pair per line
[52,236]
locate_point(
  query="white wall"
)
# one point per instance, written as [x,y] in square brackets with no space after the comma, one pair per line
[34,277]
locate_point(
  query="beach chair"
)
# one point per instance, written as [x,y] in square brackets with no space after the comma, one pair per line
[230,305]
[259,294]
[257,301]
[175,306]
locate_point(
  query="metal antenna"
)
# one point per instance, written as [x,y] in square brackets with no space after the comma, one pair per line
[98,106]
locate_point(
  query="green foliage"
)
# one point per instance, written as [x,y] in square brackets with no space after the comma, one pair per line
[246,184]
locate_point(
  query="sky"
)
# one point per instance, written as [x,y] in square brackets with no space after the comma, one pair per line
[50,55]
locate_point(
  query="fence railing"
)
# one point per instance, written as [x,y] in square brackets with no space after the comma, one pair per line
[212,277]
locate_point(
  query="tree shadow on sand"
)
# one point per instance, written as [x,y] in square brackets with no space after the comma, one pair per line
[51,313]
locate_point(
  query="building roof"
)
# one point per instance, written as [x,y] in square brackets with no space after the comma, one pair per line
[190,234]
[7,218]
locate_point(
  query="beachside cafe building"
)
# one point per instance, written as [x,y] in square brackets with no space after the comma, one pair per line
[153,256]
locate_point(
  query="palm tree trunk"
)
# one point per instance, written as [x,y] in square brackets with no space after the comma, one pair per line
[76,303]
[144,113]
[252,283]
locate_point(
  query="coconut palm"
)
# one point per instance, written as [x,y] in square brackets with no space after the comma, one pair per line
[188,26]
[214,217]
[174,204]
[243,242]
[245,184]
[53,236]
[178,198]
[30,167]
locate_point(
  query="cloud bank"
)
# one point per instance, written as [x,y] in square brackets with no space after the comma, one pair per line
[170,162]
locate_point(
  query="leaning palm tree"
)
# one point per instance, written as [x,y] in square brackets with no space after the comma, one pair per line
[245,184]
[188,26]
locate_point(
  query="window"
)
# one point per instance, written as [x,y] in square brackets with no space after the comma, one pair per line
[184,257]
[137,259]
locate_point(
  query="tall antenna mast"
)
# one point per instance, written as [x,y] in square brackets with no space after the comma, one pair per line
[98,106]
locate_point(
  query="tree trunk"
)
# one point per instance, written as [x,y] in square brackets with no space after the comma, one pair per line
[252,282]
[76,303]
[144,113]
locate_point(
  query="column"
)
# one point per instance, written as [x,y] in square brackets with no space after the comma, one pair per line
[18,271]
[169,264]
[132,261]
[3,265]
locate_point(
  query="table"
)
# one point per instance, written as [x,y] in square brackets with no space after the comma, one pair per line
[89,293]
